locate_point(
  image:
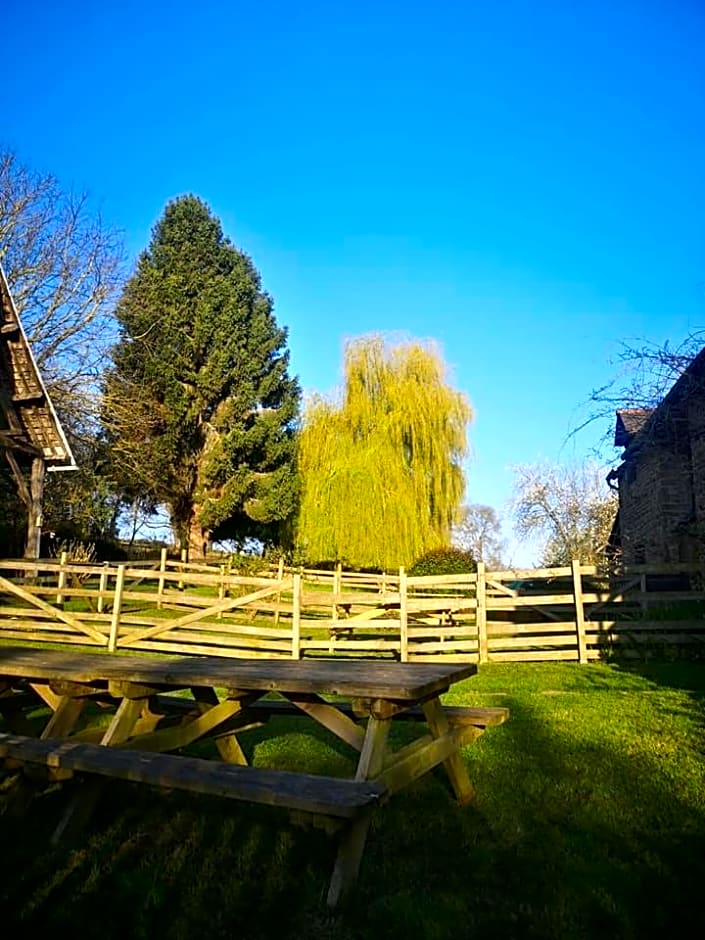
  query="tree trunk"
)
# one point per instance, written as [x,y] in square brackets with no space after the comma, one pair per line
[34,509]
[198,537]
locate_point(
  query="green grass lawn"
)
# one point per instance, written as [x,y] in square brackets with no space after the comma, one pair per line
[589,821]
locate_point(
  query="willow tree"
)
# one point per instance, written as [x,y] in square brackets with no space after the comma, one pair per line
[381,464]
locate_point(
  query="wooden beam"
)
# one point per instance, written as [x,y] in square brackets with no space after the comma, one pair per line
[579,611]
[228,745]
[48,609]
[16,440]
[331,718]
[171,739]
[18,477]
[64,719]
[418,758]
[453,763]
[34,520]
[229,604]
[352,842]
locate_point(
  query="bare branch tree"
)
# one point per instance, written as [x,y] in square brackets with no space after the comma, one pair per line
[479,532]
[569,506]
[65,268]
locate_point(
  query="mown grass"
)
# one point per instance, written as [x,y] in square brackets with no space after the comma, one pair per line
[589,821]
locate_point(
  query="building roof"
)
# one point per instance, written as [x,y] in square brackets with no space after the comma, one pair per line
[28,422]
[636,425]
[629,422]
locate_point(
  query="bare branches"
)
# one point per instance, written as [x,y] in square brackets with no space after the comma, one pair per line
[65,268]
[479,532]
[569,506]
[646,372]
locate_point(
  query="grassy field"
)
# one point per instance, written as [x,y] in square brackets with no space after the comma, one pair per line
[589,821]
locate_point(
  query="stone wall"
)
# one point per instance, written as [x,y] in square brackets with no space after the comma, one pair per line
[662,489]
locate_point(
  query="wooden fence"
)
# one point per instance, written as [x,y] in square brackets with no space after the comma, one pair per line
[572,613]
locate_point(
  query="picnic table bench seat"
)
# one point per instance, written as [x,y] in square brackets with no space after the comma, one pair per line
[265,709]
[317,794]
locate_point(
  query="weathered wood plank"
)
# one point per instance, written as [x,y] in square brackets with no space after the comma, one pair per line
[316,794]
[366,679]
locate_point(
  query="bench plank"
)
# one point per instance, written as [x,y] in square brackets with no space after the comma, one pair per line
[329,796]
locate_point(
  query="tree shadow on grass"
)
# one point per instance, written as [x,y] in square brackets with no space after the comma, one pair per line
[574,833]
[164,865]
[566,839]
[682,675]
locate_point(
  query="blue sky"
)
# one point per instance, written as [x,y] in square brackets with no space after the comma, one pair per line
[522,181]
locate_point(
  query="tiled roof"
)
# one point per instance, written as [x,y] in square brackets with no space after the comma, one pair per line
[629,422]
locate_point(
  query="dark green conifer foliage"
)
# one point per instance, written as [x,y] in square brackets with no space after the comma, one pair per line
[199,404]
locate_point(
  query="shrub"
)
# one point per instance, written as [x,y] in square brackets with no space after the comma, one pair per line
[439,561]
[247,565]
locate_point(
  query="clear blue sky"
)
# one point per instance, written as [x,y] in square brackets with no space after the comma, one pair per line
[522,181]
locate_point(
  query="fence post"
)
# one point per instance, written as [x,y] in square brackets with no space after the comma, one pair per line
[481,613]
[337,581]
[63,560]
[162,571]
[102,588]
[117,609]
[579,611]
[280,578]
[184,560]
[296,620]
[403,618]
[221,590]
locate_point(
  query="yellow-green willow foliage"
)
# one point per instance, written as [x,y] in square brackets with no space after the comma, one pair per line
[381,471]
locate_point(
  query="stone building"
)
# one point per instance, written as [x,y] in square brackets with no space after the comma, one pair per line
[661,480]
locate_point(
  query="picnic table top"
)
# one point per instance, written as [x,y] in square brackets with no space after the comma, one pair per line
[367,679]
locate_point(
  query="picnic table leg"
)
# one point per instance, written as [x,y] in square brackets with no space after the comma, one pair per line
[67,711]
[228,745]
[352,842]
[63,721]
[454,765]
[84,800]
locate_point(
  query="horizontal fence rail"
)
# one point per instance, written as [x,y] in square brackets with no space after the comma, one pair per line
[573,613]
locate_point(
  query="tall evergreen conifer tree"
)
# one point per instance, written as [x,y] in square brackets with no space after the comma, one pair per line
[199,405]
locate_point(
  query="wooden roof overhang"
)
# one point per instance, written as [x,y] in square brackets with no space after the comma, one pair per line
[29,425]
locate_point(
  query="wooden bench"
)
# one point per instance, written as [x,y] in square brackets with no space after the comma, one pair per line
[319,795]
[266,709]
[150,724]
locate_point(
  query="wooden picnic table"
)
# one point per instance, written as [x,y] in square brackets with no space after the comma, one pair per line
[228,697]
